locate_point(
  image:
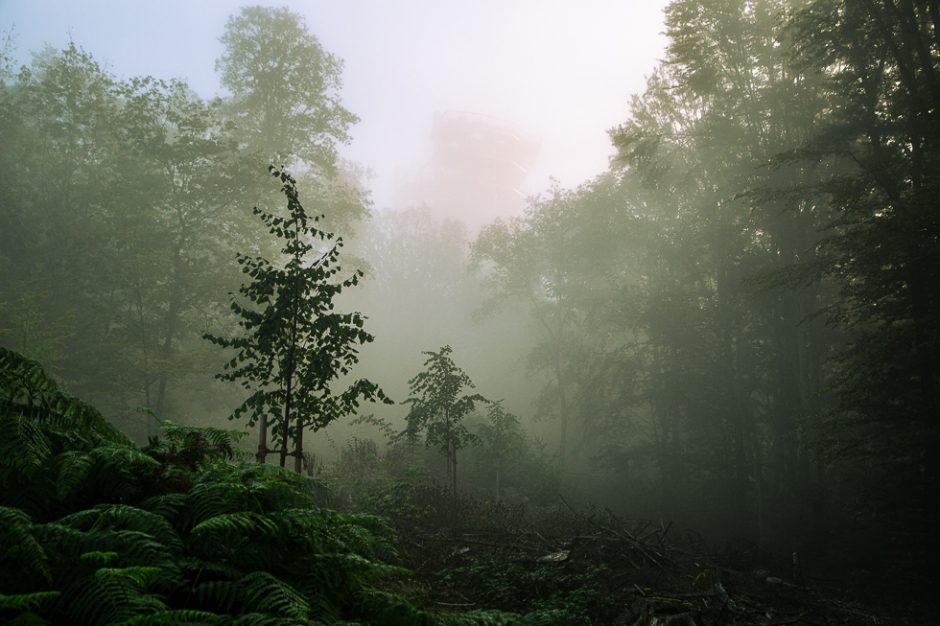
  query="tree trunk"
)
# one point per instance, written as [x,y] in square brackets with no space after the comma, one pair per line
[288,386]
[299,445]
[453,473]
[285,427]
[499,466]
[262,454]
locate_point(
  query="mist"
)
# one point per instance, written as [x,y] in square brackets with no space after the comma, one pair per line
[469,312]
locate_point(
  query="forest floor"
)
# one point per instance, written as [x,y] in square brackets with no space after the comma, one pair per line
[593,568]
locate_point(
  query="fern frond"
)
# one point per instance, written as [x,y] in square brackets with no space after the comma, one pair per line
[117,472]
[124,517]
[124,458]
[140,575]
[27,601]
[19,547]
[167,505]
[221,442]
[200,568]
[239,524]
[81,520]
[356,567]
[263,619]
[62,539]
[73,469]
[267,593]
[141,548]
[550,617]
[209,498]
[279,490]
[26,390]
[224,595]
[173,617]
[98,557]
[76,540]
[23,380]
[108,598]
[24,448]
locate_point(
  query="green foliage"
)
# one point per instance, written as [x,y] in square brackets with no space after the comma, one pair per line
[179,533]
[152,178]
[284,87]
[438,406]
[294,345]
[882,253]
[191,447]
[26,391]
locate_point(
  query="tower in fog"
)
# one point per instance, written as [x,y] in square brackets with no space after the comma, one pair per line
[476,172]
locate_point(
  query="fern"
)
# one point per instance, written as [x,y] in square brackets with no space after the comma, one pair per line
[24,448]
[122,516]
[222,595]
[263,619]
[193,447]
[108,598]
[27,391]
[19,548]
[214,494]
[139,575]
[177,533]
[25,602]
[268,594]
[241,524]
[73,467]
[169,506]
[98,557]
[173,617]
[117,471]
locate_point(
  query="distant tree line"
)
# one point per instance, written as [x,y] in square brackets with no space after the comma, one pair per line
[124,202]
[740,315]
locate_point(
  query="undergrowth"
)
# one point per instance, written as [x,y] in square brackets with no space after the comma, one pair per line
[94,530]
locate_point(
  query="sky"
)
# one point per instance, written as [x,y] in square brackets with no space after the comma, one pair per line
[560,71]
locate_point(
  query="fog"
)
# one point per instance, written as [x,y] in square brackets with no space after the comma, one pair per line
[531,284]
[465,110]
[560,72]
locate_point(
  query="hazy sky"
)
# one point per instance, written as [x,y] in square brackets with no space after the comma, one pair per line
[560,70]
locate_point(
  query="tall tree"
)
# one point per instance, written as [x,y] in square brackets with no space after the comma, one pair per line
[187,176]
[284,88]
[884,250]
[565,263]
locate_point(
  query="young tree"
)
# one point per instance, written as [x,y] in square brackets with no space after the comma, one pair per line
[501,435]
[438,406]
[294,345]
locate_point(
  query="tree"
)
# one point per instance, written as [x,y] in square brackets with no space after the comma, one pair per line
[94,530]
[294,345]
[548,262]
[187,177]
[502,434]
[283,119]
[883,59]
[437,407]
[142,172]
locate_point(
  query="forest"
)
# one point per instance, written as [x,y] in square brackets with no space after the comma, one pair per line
[699,388]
